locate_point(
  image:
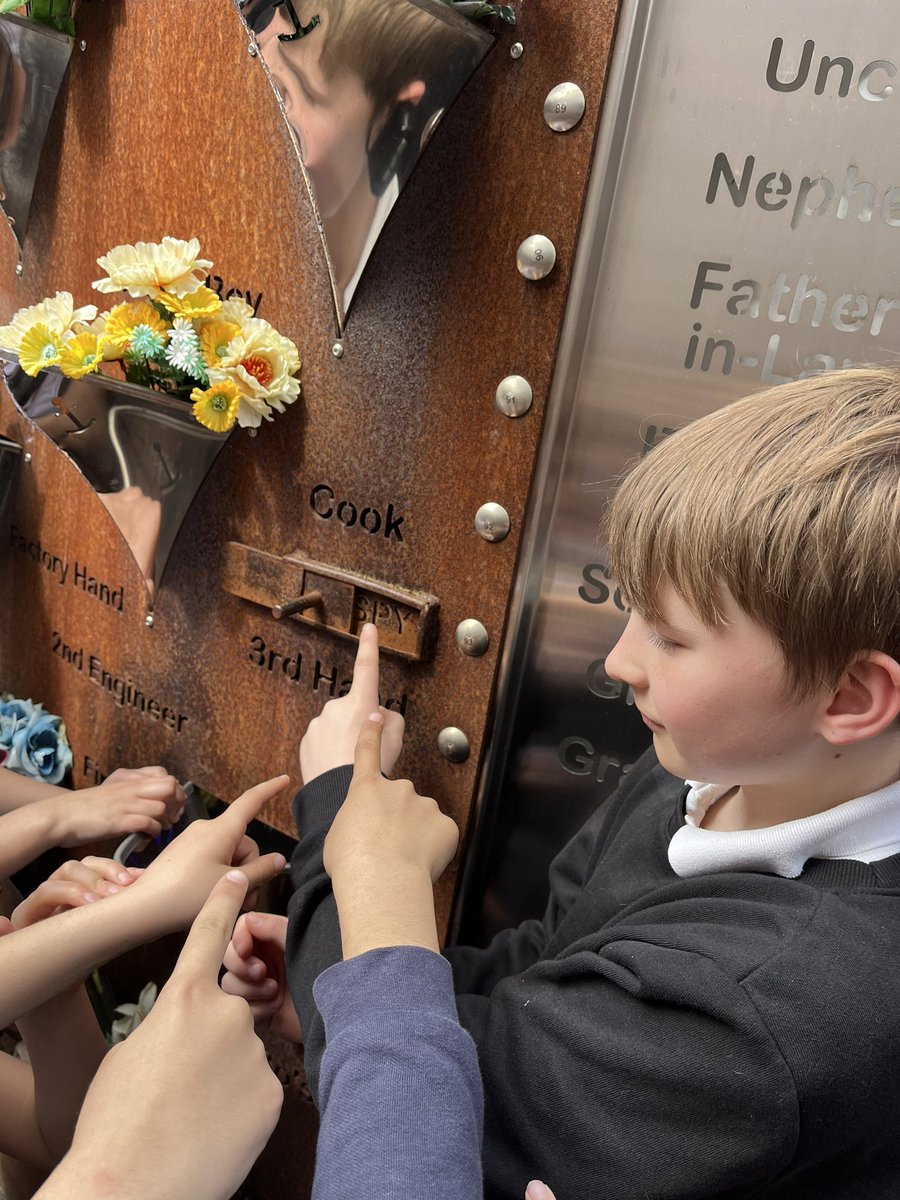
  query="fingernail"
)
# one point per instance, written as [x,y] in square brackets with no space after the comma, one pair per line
[377,718]
[236,876]
[124,877]
[537,1190]
[280,862]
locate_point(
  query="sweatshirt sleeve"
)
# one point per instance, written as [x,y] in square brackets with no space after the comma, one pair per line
[314,936]
[400,1092]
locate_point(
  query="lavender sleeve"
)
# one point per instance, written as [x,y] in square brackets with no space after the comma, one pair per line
[400,1093]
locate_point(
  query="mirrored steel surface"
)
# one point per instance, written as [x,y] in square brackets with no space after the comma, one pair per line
[741,229]
[362,88]
[536,257]
[10,457]
[514,396]
[564,107]
[142,452]
[33,61]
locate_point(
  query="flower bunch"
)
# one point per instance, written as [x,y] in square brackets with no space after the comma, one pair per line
[174,334]
[33,742]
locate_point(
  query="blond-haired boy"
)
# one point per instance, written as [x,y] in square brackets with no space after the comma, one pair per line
[710,1006]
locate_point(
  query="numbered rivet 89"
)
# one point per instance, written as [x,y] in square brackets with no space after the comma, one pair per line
[564,107]
[492,522]
[536,256]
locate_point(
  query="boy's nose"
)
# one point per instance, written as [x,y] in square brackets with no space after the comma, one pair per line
[621,662]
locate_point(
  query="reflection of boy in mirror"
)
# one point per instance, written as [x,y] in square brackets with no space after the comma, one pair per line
[361,88]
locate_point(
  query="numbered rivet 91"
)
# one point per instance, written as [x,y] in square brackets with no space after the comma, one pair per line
[536,257]
[453,744]
[492,522]
[472,638]
[514,396]
[564,107]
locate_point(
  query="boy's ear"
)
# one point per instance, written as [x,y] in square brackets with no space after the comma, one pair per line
[865,702]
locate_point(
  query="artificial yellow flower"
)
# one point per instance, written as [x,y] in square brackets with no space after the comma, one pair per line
[38,348]
[214,337]
[217,406]
[80,355]
[121,321]
[57,312]
[262,363]
[149,268]
[202,303]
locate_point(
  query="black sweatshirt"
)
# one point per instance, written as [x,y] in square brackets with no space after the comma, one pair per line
[727,1035]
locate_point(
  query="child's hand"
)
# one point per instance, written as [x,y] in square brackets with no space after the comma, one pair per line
[71,885]
[384,824]
[194,1062]
[537,1190]
[179,881]
[255,971]
[330,740]
[146,800]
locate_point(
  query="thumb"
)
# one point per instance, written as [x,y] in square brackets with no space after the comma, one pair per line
[367,760]
[6,926]
[210,933]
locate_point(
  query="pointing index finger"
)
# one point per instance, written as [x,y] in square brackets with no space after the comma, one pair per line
[365,669]
[367,760]
[208,937]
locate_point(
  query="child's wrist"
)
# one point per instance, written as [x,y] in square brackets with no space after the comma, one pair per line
[390,907]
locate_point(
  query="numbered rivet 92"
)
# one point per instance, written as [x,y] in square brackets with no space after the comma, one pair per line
[514,396]
[564,107]
[453,744]
[472,638]
[536,257]
[492,522]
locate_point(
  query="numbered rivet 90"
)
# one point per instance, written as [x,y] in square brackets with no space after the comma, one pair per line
[453,744]
[472,638]
[514,396]
[492,522]
[564,107]
[536,257]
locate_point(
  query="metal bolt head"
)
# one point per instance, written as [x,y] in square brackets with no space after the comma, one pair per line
[148,620]
[514,396]
[492,522]
[472,638]
[564,107]
[536,257]
[453,744]
[516,50]
[82,45]
[26,457]
[337,350]
[20,269]
[252,50]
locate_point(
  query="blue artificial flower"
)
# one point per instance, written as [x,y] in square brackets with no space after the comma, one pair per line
[40,748]
[15,715]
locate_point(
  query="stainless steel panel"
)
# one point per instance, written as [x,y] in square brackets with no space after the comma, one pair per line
[742,229]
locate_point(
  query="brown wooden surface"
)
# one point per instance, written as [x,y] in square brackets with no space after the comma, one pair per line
[167,126]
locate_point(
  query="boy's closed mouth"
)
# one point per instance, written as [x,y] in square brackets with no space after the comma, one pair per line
[654,725]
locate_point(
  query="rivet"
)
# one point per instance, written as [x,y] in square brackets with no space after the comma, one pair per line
[252,50]
[516,50]
[492,522]
[514,396]
[472,638]
[20,269]
[148,620]
[82,45]
[564,107]
[337,350]
[252,432]
[536,257]
[26,457]
[453,744]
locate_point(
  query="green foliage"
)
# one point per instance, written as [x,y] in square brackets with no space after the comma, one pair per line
[55,13]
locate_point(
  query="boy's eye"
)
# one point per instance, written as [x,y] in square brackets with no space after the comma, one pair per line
[660,642]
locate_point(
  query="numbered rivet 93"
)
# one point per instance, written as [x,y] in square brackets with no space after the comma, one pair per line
[514,396]
[472,638]
[492,522]
[536,257]
[453,744]
[564,107]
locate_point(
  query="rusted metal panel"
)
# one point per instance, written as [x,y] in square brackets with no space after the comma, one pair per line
[164,126]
